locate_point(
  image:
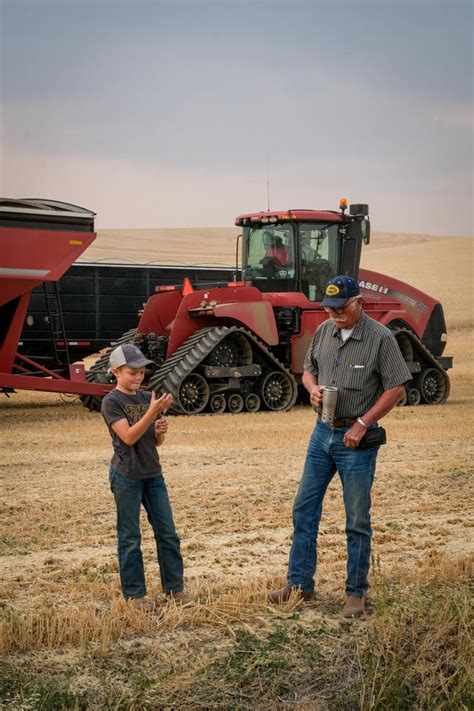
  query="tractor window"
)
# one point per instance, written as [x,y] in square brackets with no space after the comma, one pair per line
[319,257]
[269,253]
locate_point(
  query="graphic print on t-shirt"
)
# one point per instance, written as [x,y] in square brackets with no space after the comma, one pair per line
[134,412]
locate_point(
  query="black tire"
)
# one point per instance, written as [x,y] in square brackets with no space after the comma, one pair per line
[193,394]
[413,397]
[404,399]
[232,351]
[217,403]
[433,386]
[252,402]
[235,403]
[276,390]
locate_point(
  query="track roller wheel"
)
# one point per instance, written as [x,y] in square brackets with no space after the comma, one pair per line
[235,403]
[193,394]
[276,390]
[404,399]
[433,386]
[413,396]
[252,402]
[217,403]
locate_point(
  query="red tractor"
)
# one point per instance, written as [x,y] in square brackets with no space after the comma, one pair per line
[243,346]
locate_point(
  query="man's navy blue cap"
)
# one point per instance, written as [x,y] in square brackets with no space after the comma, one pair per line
[339,290]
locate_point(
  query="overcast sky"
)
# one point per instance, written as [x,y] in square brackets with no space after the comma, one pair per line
[171,113]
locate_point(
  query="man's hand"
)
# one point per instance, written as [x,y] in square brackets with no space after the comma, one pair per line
[160,404]
[354,435]
[384,404]
[316,396]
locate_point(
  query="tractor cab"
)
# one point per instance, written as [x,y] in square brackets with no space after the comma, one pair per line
[300,250]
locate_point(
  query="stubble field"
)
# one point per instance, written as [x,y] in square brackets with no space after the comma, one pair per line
[69,641]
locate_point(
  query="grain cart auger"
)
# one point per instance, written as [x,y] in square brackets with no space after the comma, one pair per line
[242,346]
[39,240]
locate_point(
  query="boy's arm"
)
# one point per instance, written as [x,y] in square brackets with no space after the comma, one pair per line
[130,434]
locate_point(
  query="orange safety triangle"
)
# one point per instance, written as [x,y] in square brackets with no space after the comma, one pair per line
[187,287]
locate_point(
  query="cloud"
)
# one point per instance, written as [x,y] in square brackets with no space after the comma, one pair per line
[456,115]
[132,194]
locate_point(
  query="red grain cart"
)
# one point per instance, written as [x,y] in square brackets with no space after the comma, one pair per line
[39,240]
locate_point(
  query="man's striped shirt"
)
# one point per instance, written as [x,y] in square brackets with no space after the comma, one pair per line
[362,367]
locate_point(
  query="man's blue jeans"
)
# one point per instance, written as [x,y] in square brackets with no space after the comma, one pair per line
[326,455]
[129,495]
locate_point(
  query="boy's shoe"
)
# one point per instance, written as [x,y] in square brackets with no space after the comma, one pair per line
[142,603]
[354,606]
[281,595]
[179,596]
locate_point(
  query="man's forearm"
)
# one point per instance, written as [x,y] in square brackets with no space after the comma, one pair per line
[384,404]
[309,380]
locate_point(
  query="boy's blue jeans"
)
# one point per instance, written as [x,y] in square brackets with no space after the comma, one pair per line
[129,495]
[326,455]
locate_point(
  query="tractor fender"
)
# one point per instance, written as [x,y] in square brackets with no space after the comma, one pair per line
[256,316]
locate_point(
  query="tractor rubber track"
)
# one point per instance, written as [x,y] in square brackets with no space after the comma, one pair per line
[414,350]
[195,350]
[98,372]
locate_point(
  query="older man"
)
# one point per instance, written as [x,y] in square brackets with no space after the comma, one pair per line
[361,358]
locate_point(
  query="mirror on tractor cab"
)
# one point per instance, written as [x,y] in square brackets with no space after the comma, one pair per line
[365,229]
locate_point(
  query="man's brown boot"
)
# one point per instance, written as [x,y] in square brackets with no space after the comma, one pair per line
[179,596]
[142,603]
[354,606]
[281,595]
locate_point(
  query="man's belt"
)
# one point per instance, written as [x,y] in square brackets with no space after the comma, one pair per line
[342,421]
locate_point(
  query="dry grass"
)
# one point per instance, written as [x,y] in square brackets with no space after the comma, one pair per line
[69,641]
[412,652]
[214,245]
[417,652]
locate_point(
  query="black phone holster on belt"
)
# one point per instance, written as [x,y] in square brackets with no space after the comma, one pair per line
[374,437]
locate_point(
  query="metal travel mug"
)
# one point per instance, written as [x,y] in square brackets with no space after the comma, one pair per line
[329,404]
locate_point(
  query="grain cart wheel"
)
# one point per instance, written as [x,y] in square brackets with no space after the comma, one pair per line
[193,394]
[433,386]
[217,403]
[413,396]
[276,390]
[252,402]
[235,403]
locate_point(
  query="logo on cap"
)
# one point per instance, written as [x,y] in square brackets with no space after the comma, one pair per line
[332,290]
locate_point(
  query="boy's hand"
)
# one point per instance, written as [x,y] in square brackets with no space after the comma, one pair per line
[161,426]
[160,404]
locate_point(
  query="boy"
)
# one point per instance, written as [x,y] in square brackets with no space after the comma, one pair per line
[137,426]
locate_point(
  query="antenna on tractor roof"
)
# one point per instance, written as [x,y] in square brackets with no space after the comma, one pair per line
[268,184]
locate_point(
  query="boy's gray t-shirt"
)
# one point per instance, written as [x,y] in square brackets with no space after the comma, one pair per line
[139,461]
